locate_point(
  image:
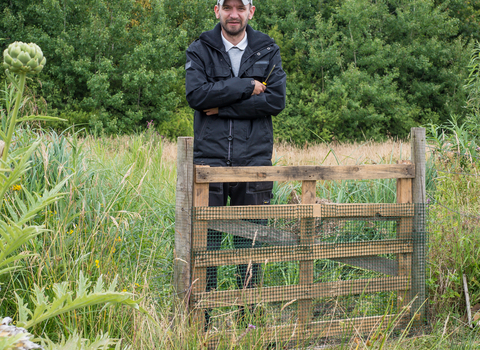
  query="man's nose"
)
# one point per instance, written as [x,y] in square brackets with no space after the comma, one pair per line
[234,13]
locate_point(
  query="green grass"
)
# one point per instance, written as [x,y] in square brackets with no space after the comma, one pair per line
[117,219]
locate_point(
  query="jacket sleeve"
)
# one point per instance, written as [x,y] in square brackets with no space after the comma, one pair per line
[202,94]
[270,102]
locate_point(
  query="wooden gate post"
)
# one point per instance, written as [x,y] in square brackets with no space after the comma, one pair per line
[200,229]
[305,311]
[183,214]
[418,143]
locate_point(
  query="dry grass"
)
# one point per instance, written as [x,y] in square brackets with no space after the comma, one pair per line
[341,153]
[327,154]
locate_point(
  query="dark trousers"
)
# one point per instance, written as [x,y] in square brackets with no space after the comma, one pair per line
[240,193]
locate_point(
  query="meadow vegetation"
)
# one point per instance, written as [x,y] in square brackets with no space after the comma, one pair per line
[96,218]
[117,219]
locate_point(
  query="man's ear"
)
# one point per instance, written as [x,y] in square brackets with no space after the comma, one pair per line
[217,11]
[251,12]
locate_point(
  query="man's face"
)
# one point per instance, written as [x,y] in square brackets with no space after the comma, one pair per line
[234,16]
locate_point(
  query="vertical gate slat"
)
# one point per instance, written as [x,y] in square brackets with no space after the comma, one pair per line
[199,280]
[404,231]
[307,226]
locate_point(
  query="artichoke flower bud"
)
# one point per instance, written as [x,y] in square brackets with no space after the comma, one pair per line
[23,58]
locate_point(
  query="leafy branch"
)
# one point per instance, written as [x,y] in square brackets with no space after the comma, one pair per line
[66,300]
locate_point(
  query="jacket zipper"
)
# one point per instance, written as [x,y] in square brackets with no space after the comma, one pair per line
[230,140]
[230,121]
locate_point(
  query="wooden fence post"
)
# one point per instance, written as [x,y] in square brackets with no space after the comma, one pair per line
[404,231]
[183,212]
[418,143]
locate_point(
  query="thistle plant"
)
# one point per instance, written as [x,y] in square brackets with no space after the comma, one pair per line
[20,60]
[20,207]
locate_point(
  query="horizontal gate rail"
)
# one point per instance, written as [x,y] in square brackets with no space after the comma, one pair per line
[316,330]
[207,174]
[297,211]
[298,252]
[298,292]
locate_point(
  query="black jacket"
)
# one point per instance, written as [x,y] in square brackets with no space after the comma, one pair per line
[241,134]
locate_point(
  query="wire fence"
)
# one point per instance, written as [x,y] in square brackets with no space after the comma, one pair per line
[307,272]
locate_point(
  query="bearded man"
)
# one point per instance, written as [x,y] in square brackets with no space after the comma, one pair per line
[235,83]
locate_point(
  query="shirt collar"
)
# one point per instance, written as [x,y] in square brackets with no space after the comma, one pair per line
[242,45]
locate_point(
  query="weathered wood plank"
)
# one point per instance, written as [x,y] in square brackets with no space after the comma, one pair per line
[297,253]
[297,211]
[418,144]
[307,235]
[298,292]
[183,212]
[313,331]
[363,210]
[199,278]
[250,230]
[404,231]
[300,173]
[200,196]
[373,263]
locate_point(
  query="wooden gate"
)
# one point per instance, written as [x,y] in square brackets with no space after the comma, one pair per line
[194,218]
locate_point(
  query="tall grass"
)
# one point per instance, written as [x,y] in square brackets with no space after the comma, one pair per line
[117,218]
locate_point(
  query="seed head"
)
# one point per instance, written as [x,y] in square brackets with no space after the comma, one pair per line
[23,58]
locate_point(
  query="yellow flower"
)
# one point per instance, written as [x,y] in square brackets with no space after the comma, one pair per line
[70,232]
[124,290]
[17,187]
[97,263]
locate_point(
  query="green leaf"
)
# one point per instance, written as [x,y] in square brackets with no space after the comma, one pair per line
[66,300]
[12,79]
[75,342]
[40,118]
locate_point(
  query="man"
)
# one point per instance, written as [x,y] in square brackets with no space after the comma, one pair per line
[225,71]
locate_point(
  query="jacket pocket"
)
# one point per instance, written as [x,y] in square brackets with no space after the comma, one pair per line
[205,125]
[258,70]
[216,73]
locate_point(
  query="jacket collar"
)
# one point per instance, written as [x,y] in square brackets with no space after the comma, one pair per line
[256,40]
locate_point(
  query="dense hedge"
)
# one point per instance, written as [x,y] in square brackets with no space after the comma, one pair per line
[356,68]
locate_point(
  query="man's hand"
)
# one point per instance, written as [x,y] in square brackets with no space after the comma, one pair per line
[211,111]
[259,88]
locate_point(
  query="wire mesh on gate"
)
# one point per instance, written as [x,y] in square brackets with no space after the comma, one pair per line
[306,271]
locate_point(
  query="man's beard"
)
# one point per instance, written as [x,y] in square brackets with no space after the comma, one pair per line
[236,32]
